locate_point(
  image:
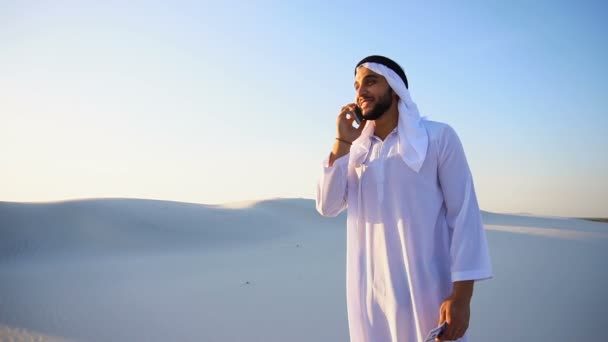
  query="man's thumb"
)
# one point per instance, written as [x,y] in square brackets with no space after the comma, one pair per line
[441,315]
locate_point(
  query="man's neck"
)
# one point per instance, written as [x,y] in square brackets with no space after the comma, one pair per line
[387,123]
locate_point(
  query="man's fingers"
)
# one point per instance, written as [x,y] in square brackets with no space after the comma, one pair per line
[453,334]
[349,120]
[453,331]
[448,333]
[441,320]
[348,108]
[441,314]
[457,319]
[460,332]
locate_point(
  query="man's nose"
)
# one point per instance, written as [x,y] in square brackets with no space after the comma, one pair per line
[361,92]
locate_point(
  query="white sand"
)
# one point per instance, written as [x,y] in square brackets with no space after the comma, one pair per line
[139,270]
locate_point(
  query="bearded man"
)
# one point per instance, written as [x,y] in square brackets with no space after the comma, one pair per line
[415,238]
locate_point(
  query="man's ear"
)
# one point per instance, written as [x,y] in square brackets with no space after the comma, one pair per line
[395,96]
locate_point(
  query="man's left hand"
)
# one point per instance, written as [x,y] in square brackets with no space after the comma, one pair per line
[456,312]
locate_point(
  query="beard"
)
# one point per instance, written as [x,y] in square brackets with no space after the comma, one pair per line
[384,103]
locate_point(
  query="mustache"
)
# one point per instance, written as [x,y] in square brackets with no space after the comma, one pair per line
[363,99]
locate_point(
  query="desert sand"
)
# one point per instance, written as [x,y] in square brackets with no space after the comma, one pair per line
[273,270]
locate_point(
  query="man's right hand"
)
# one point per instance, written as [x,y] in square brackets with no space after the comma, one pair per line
[345,132]
[345,129]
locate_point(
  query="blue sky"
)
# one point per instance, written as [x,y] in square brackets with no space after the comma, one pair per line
[215,102]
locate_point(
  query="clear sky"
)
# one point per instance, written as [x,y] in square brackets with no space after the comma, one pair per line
[222,101]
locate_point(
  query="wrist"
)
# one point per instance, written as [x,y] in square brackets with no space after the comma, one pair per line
[338,150]
[462,290]
[344,141]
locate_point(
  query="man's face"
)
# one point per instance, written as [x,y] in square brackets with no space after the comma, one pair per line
[374,95]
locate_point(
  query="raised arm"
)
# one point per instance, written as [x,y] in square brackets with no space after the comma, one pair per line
[332,185]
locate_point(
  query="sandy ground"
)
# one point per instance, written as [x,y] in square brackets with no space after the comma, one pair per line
[140,270]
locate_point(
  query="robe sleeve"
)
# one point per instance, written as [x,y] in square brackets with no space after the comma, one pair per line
[470,258]
[332,187]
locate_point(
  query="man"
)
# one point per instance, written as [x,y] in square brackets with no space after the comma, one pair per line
[415,239]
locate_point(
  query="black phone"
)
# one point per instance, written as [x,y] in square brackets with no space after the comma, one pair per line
[358,115]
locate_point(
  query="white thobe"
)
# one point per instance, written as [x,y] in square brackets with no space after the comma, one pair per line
[409,235]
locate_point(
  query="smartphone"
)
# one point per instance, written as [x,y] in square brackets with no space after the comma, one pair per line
[358,115]
[436,332]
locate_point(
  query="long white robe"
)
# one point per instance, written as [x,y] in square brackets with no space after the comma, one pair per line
[409,235]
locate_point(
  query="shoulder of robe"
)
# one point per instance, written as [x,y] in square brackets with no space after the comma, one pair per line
[438,132]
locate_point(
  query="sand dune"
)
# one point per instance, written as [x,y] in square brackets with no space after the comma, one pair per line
[20,335]
[117,226]
[542,222]
[143,270]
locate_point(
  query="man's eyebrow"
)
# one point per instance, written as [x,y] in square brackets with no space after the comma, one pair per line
[366,77]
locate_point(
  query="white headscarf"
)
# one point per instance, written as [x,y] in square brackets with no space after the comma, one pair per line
[413,138]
